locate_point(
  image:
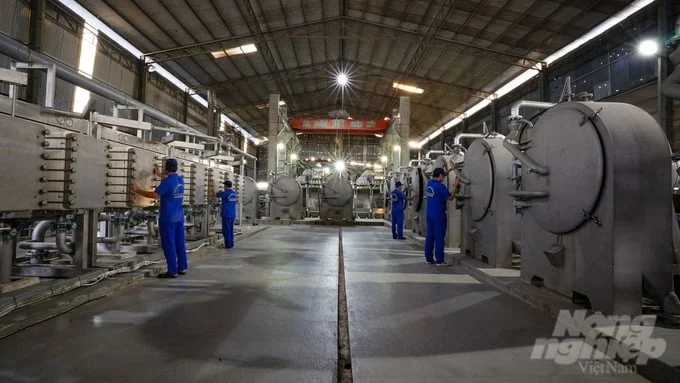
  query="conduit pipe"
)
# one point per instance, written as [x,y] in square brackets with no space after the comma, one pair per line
[515,108]
[20,52]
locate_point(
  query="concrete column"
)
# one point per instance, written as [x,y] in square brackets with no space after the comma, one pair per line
[543,84]
[273,132]
[665,104]
[35,38]
[495,125]
[142,68]
[185,115]
[404,128]
[212,129]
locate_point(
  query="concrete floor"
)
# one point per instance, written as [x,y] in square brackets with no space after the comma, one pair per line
[266,311]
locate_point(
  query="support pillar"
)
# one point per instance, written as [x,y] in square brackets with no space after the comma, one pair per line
[404,129]
[143,70]
[543,84]
[211,131]
[35,38]
[665,104]
[185,115]
[274,124]
[495,126]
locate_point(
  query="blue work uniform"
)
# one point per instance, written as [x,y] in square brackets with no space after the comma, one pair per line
[229,199]
[398,199]
[171,222]
[437,195]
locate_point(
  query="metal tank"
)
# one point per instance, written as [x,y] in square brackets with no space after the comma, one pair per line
[285,194]
[365,189]
[248,194]
[337,200]
[488,223]
[594,182]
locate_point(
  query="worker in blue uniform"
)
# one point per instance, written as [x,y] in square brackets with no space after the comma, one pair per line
[171,219]
[437,196]
[229,199]
[398,199]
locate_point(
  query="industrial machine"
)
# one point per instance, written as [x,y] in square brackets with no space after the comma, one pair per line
[337,200]
[247,192]
[367,195]
[67,203]
[592,186]
[285,196]
[488,223]
[311,181]
[420,174]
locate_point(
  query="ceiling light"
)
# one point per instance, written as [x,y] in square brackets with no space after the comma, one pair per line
[386,118]
[293,157]
[243,49]
[396,148]
[414,145]
[378,135]
[339,166]
[312,159]
[342,79]
[407,88]
[280,146]
[648,48]
[262,185]
[383,159]
[282,103]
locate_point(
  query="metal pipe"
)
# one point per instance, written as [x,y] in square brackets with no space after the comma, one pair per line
[427,155]
[20,52]
[63,245]
[40,230]
[31,245]
[459,136]
[515,108]
[525,195]
[524,159]
[151,228]
[114,239]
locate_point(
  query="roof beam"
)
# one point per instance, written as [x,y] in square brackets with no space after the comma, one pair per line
[505,57]
[313,70]
[267,54]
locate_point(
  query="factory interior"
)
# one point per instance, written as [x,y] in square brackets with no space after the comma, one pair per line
[409,181]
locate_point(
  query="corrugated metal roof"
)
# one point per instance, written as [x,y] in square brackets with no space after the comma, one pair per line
[456,50]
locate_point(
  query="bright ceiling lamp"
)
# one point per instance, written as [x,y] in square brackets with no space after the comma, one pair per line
[396,148]
[339,166]
[648,48]
[383,159]
[408,88]
[531,73]
[293,157]
[342,79]
[413,145]
[243,49]
[262,185]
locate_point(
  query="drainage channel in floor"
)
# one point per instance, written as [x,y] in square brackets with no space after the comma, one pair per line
[344,354]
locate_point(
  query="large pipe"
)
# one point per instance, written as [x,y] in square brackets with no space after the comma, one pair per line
[20,52]
[116,238]
[427,155]
[63,245]
[460,136]
[515,108]
[40,230]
